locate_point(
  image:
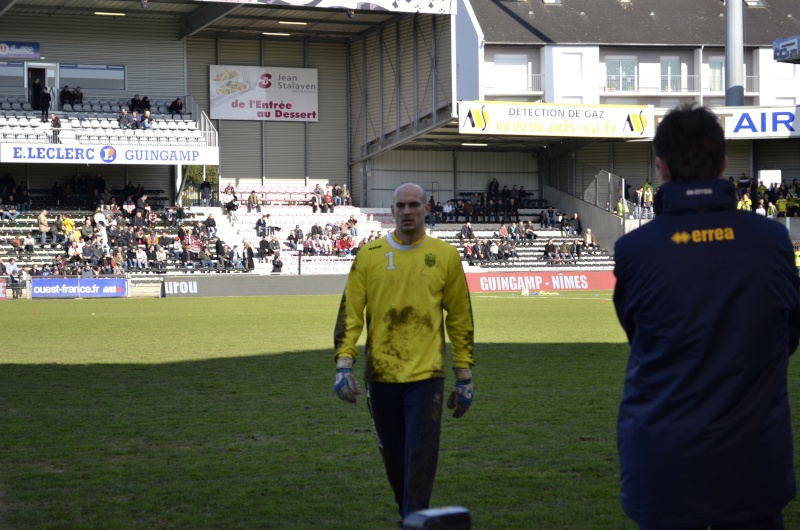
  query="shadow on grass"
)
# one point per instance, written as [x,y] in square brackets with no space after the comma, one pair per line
[262,442]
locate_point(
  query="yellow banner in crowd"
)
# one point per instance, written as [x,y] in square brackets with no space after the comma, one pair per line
[554,119]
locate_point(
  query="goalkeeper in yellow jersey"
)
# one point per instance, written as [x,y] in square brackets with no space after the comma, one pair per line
[406,282]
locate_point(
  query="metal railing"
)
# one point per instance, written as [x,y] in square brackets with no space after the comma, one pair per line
[666,84]
[535,84]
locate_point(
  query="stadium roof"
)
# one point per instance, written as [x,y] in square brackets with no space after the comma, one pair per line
[210,19]
[631,22]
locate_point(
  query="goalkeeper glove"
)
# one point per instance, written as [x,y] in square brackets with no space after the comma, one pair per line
[345,384]
[461,395]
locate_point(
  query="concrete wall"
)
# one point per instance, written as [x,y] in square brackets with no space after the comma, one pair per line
[606,226]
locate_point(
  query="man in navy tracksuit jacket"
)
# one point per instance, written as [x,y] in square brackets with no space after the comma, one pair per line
[709,299]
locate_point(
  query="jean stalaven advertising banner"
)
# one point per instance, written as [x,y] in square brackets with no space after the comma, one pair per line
[264,93]
[438,7]
[58,287]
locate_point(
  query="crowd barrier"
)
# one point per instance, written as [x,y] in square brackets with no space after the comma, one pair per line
[191,285]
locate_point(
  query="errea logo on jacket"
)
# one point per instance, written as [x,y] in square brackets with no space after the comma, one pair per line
[706,235]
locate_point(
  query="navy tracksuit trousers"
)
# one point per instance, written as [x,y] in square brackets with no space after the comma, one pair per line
[407,418]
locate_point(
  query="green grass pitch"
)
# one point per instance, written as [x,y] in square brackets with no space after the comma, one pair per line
[219,413]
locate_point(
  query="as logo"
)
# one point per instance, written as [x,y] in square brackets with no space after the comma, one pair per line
[265,81]
[478,118]
[635,123]
[430,260]
[108,154]
[3,48]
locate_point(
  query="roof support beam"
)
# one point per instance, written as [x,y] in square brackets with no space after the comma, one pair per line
[204,17]
[5,5]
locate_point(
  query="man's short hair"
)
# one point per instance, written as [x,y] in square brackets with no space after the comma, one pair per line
[691,142]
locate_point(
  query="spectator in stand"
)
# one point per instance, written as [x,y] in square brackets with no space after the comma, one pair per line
[230,203]
[565,226]
[10,211]
[205,258]
[16,244]
[119,257]
[130,258]
[564,250]
[327,200]
[273,246]
[138,221]
[264,249]
[261,226]
[327,246]
[205,193]
[146,107]
[576,248]
[479,210]
[459,211]
[136,104]
[550,251]
[308,246]
[589,241]
[277,264]
[494,251]
[235,257]
[55,126]
[248,256]
[36,94]
[494,189]
[352,226]
[505,195]
[448,212]
[24,200]
[142,207]
[772,212]
[219,247]
[44,104]
[199,229]
[129,207]
[180,215]
[345,195]
[177,249]
[337,195]
[148,121]
[316,198]
[512,211]
[549,218]
[141,258]
[575,226]
[44,228]
[77,96]
[503,232]
[211,225]
[176,107]
[466,233]
[523,197]
[136,120]
[252,202]
[124,119]
[468,210]
[491,213]
[529,232]
[65,96]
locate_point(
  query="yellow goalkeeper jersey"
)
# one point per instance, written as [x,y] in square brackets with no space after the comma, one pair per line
[404,289]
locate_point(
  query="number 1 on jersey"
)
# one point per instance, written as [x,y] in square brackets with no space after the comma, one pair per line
[391,266]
